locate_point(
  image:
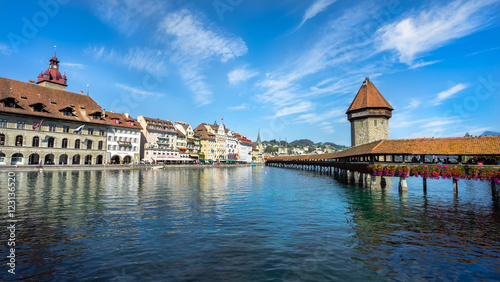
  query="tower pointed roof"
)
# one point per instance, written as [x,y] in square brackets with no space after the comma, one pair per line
[258,138]
[369,97]
[52,74]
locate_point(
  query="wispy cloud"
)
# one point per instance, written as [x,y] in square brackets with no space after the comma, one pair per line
[193,42]
[151,60]
[414,103]
[73,65]
[313,118]
[5,49]
[483,51]
[317,7]
[423,64]
[238,108]
[430,29]
[300,108]
[441,96]
[240,74]
[192,37]
[137,91]
[128,15]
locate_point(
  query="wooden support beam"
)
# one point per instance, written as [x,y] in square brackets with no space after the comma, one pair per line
[455,186]
[424,180]
[495,190]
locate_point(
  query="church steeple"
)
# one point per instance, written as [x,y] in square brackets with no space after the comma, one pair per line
[258,138]
[52,77]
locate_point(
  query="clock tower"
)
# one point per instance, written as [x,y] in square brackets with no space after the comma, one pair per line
[52,77]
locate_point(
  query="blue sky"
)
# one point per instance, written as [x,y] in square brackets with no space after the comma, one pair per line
[288,68]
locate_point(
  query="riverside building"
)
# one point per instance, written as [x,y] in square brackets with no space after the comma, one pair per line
[159,141]
[42,123]
[124,139]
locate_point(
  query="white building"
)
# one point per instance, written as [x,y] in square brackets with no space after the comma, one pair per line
[123,139]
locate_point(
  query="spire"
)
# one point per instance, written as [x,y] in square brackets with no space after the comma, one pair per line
[258,138]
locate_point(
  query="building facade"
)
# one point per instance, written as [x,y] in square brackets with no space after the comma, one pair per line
[123,140]
[158,141]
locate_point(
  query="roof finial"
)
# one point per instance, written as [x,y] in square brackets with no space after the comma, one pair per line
[55,50]
[87,89]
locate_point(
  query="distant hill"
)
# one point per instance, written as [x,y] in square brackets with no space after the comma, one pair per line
[490,133]
[335,145]
[307,142]
[302,142]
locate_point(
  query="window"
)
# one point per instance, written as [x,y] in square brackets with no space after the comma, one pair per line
[114,147]
[38,107]
[20,124]
[66,129]
[52,127]
[3,123]
[131,123]
[50,142]
[116,121]
[110,138]
[64,143]
[115,138]
[99,145]
[89,145]
[101,132]
[19,140]
[35,142]
[77,144]
[67,113]
[9,102]
[90,131]
[96,117]
[2,139]
[120,138]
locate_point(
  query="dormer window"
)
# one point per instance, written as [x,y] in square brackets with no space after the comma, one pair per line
[10,102]
[130,123]
[68,111]
[116,121]
[38,107]
[96,117]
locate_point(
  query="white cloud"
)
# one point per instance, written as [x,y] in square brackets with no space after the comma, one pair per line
[317,7]
[5,49]
[441,96]
[423,64]
[433,28]
[240,74]
[193,38]
[238,108]
[151,60]
[194,42]
[137,91]
[73,65]
[413,104]
[303,106]
[438,123]
[315,117]
[128,15]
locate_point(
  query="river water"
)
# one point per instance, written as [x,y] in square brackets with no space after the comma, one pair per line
[246,224]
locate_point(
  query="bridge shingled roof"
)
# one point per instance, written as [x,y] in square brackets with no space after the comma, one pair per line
[484,145]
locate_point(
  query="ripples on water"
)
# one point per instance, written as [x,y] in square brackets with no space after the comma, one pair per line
[248,223]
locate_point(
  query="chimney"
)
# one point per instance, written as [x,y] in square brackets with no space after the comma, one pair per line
[81,91]
[126,114]
[32,81]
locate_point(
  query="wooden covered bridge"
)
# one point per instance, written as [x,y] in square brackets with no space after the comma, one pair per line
[369,164]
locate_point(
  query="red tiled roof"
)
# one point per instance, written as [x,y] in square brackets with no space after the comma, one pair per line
[368,97]
[484,145]
[54,101]
[123,120]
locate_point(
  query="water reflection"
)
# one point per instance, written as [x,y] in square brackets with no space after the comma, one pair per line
[248,224]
